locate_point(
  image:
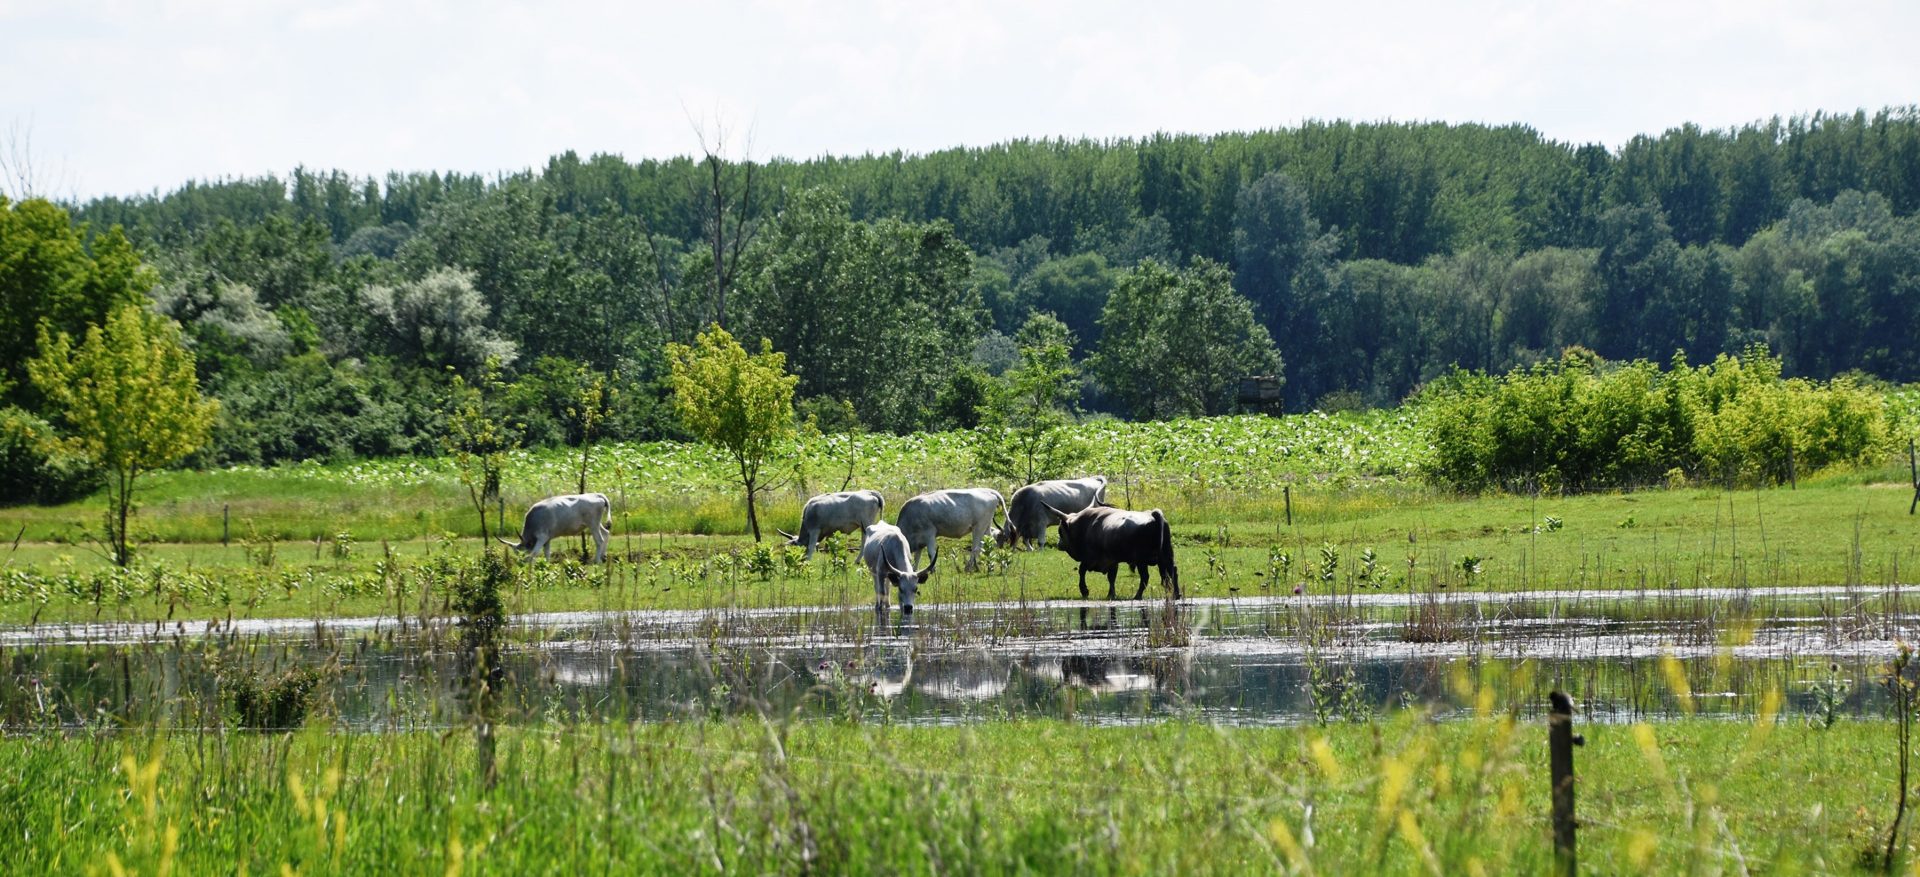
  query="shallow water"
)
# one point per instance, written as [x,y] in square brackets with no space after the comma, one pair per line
[1262,660]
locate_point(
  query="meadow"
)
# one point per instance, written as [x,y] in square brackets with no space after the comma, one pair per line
[170,750]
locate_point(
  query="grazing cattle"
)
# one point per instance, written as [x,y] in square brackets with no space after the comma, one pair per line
[1101,538]
[953,514]
[846,512]
[568,515]
[885,552]
[1027,519]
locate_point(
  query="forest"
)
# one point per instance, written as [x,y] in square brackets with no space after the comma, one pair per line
[331,315]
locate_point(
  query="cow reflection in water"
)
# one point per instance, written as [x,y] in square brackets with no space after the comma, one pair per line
[1117,674]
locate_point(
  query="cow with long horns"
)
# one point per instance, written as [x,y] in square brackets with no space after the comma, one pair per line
[1103,537]
[848,511]
[885,553]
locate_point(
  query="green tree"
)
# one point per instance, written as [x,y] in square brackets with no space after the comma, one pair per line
[1024,433]
[130,402]
[478,440]
[1176,342]
[51,275]
[738,402]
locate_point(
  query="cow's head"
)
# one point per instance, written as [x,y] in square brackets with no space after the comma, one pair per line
[907,581]
[1059,519]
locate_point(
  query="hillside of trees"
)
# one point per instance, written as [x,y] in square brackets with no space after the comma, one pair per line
[329,314]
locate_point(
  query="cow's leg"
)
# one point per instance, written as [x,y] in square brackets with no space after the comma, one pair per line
[973,559]
[1113,572]
[933,549]
[807,537]
[1083,581]
[1142,570]
[879,589]
[601,534]
[1170,576]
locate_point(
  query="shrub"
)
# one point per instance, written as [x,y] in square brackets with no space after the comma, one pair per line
[280,703]
[1580,424]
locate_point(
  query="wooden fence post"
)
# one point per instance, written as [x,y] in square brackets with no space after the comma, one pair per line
[1914,468]
[1286,492]
[226,512]
[1560,743]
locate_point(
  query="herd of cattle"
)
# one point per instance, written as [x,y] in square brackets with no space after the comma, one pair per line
[1098,536]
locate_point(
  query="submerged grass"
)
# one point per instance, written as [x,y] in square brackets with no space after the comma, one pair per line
[756,796]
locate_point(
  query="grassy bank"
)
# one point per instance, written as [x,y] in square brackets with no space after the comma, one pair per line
[1044,797]
[1849,528]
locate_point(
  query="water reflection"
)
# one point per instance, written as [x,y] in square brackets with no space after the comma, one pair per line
[1244,662]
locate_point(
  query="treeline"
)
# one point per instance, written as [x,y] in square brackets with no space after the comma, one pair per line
[1358,261]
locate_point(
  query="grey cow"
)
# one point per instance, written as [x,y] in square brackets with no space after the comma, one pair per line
[849,511]
[953,514]
[885,553]
[1027,519]
[566,515]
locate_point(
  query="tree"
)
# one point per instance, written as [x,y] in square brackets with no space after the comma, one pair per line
[1176,342]
[130,401]
[1023,432]
[478,442]
[738,402]
[51,275]
[439,320]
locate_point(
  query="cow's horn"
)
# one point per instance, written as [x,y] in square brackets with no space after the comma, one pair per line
[503,541]
[1056,512]
[922,575]
[790,536]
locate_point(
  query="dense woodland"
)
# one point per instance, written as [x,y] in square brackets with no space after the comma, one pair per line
[330,314]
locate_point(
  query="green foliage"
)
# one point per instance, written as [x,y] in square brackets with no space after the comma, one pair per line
[1581,424]
[1025,433]
[1176,342]
[280,703]
[54,279]
[878,313]
[130,403]
[738,402]
[36,467]
[478,441]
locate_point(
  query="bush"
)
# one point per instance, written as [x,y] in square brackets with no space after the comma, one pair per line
[35,467]
[275,704]
[1582,424]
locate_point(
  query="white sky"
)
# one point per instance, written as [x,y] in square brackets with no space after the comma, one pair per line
[130,97]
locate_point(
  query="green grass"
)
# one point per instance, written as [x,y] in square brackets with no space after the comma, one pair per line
[1841,529]
[1011,797]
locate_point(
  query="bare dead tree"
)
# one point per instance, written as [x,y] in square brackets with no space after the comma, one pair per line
[22,176]
[725,195]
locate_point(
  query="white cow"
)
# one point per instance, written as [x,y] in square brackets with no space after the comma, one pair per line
[846,512]
[1027,517]
[568,515]
[953,514]
[885,552]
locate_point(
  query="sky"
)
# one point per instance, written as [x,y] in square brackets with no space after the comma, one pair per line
[128,98]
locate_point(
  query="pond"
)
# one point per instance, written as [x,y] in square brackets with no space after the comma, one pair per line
[1624,655]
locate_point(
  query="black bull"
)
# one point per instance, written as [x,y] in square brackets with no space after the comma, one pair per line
[1102,538]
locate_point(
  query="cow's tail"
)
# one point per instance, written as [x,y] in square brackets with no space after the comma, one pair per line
[1170,570]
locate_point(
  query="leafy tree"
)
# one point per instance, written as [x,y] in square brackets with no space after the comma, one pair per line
[1024,434]
[1176,342]
[439,320]
[478,440]
[130,402]
[877,313]
[51,276]
[738,402]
